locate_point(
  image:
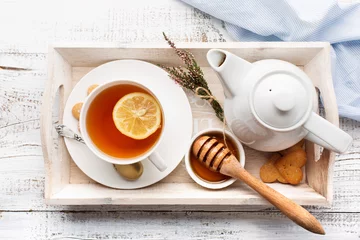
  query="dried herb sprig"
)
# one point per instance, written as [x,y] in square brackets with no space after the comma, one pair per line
[192,77]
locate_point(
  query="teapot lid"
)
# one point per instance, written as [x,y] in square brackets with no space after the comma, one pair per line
[281,99]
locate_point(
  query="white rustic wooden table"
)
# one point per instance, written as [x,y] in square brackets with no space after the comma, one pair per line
[26,29]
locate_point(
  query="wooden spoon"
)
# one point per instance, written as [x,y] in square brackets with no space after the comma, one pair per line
[226,163]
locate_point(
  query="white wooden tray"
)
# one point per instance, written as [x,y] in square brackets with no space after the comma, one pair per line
[67,185]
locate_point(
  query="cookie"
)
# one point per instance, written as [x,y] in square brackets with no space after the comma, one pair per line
[91,88]
[76,110]
[296,147]
[285,166]
[269,173]
[281,178]
[289,166]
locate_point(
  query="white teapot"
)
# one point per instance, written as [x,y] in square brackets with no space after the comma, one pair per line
[269,104]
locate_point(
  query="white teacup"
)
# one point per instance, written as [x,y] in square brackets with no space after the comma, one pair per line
[151,154]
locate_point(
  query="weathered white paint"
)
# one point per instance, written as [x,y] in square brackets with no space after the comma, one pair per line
[26,29]
[170,225]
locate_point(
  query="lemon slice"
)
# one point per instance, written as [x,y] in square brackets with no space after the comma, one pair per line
[137,115]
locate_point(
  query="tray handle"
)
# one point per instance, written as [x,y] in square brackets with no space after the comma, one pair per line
[53,147]
[319,168]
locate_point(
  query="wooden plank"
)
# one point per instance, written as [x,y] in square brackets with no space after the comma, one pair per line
[108,21]
[170,225]
[56,158]
[169,194]
[92,55]
[320,168]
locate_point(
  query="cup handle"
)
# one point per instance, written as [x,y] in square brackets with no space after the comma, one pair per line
[158,161]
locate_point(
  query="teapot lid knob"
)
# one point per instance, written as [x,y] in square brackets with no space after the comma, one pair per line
[284,100]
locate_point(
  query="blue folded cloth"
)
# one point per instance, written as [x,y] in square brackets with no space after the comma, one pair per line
[305,20]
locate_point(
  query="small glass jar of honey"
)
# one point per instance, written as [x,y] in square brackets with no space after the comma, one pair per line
[204,176]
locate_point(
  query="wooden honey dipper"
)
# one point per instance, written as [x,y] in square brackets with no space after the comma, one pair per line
[217,157]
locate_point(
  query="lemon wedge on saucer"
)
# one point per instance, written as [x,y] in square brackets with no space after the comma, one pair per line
[137,115]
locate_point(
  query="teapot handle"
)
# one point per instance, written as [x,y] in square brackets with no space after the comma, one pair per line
[324,133]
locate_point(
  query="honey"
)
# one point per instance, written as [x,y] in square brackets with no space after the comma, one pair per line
[206,174]
[103,132]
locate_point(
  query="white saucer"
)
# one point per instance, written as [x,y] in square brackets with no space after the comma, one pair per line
[177,130]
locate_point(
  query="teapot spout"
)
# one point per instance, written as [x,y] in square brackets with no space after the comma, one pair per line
[216,57]
[230,69]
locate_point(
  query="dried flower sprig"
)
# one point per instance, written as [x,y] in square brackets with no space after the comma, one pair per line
[192,77]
